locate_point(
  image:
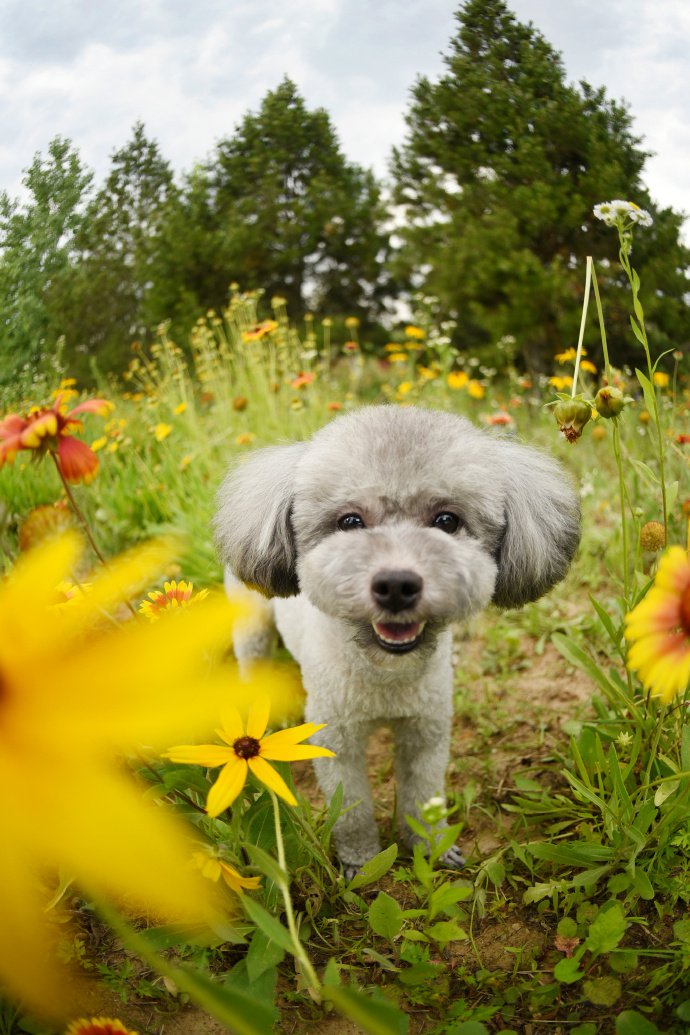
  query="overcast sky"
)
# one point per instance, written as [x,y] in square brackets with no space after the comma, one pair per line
[88,69]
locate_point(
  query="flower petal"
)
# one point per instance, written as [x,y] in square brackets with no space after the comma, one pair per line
[273,780]
[228,785]
[257,720]
[295,752]
[200,754]
[293,735]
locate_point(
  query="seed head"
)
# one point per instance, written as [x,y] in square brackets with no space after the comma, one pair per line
[571,415]
[653,536]
[609,401]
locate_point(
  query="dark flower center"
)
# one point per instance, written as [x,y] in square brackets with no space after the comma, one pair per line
[246,747]
[685,611]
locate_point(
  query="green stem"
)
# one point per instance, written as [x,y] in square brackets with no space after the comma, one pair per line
[602,326]
[583,321]
[624,520]
[299,951]
[639,313]
[83,522]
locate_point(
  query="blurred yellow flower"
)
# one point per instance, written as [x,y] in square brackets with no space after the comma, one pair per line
[568,356]
[661,379]
[561,383]
[351,322]
[587,366]
[415,332]
[260,330]
[405,388]
[99,443]
[245,439]
[476,389]
[397,357]
[458,379]
[427,373]
[180,408]
[659,629]
[161,431]
[77,691]
[246,749]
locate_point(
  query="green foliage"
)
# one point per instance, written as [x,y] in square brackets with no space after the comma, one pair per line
[503,163]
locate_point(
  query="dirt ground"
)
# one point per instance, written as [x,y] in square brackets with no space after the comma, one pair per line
[508,722]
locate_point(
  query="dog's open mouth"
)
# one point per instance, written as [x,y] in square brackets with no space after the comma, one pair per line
[398,637]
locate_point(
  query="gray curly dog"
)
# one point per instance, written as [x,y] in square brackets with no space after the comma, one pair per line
[372,538]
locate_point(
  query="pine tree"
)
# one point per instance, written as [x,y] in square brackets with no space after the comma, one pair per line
[502,165]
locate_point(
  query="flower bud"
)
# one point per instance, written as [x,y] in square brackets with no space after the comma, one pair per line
[571,416]
[239,403]
[653,536]
[609,401]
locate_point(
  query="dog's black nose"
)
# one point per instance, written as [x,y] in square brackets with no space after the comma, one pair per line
[396,590]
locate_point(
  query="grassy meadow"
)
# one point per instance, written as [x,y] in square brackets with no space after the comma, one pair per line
[569,788]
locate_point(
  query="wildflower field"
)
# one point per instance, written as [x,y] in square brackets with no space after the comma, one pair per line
[167,863]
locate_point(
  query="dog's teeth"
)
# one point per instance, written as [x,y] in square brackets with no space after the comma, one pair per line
[398,641]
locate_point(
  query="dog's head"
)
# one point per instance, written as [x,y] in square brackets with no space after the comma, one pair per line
[398,521]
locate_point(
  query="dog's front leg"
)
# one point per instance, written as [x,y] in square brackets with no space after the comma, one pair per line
[422,749]
[355,833]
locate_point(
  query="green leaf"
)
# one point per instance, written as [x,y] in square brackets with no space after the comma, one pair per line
[267,864]
[683,1010]
[375,868]
[630,1022]
[665,790]
[603,991]
[334,809]
[567,971]
[637,331]
[567,927]
[446,931]
[584,1029]
[375,1016]
[647,391]
[643,885]
[470,1028]
[447,895]
[263,953]
[671,496]
[573,653]
[623,961]
[241,1012]
[681,931]
[606,931]
[685,748]
[272,928]
[385,916]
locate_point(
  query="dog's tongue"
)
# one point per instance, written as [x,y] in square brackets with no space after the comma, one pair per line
[398,632]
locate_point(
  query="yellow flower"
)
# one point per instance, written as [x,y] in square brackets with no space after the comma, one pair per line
[560,383]
[661,379]
[77,692]
[569,356]
[458,379]
[397,357]
[245,439]
[213,867]
[99,443]
[180,408]
[246,749]
[405,388]
[174,595]
[415,332]
[427,373]
[260,330]
[162,431]
[351,322]
[475,389]
[659,629]
[588,367]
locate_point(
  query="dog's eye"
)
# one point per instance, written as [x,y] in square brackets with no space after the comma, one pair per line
[349,521]
[447,522]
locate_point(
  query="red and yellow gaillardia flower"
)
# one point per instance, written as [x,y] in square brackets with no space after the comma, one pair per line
[98,1026]
[659,629]
[246,749]
[173,595]
[49,430]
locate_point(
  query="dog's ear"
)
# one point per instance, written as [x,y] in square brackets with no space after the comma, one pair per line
[542,525]
[253,525]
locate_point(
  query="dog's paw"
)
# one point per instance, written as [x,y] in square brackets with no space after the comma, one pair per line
[453,859]
[350,870]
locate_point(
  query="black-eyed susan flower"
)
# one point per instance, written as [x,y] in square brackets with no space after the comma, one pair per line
[76,692]
[659,629]
[246,749]
[98,1026]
